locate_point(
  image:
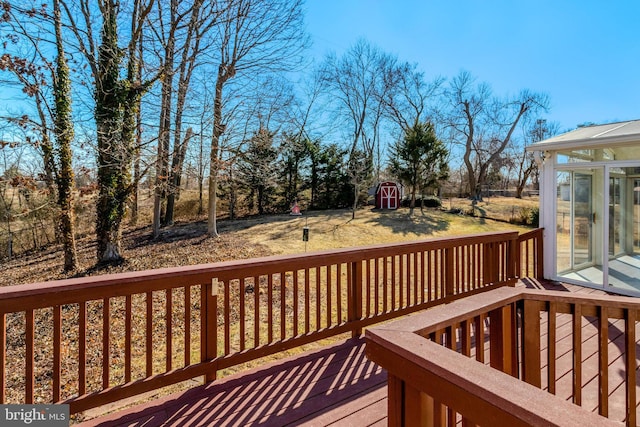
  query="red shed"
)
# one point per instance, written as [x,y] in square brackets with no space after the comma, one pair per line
[388,195]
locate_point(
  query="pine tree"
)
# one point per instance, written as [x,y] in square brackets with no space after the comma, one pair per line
[418,160]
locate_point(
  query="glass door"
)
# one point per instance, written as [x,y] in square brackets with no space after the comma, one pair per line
[584,218]
[579,208]
[624,219]
[616,215]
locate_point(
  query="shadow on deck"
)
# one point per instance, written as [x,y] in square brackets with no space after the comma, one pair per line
[336,384]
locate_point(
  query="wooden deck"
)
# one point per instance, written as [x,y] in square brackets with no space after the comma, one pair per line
[336,385]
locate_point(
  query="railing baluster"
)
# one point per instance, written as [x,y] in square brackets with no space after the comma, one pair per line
[307,297]
[204,301]
[421,273]
[429,279]
[295,303]
[270,326]
[465,338]
[551,348]
[339,291]
[57,348]
[209,325]
[415,281]
[127,339]
[367,288]
[256,311]
[631,367]
[329,305]
[577,354]
[82,348]
[187,326]
[149,334]
[3,357]
[169,329]
[283,305]
[385,282]
[29,333]
[479,336]
[106,351]
[603,362]
[227,322]
[317,284]
[376,287]
[242,294]
[394,282]
[404,297]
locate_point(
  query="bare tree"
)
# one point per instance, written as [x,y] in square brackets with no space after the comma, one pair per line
[524,161]
[257,36]
[357,82]
[183,49]
[483,124]
[56,151]
[409,99]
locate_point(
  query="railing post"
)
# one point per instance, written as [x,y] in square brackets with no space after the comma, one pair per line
[630,319]
[355,290]
[448,272]
[395,404]
[539,262]
[515,259]
[209,319]
[502,333]
[531,343]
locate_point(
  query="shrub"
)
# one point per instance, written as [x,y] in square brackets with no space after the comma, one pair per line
[534,217]
[429,202]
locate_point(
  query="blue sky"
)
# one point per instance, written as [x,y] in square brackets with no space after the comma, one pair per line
[584,54]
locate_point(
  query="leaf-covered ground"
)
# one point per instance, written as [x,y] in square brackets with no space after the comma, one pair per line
[181,244]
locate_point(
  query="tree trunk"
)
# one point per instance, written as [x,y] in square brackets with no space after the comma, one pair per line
[177,164]
[224,72]
[136,153]
[110,177]
[117,106]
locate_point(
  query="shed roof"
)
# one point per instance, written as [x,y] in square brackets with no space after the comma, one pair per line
[621,133]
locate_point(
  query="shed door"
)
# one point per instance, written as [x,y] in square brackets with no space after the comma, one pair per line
[389,197]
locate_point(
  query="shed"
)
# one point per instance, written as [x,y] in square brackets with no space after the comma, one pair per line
[388,195]
[590,206]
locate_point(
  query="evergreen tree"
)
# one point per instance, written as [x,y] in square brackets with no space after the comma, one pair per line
[418,160]
[293,169]
[257,171]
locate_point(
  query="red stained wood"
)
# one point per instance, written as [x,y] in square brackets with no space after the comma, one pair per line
[406,274]
[29,333]
[57,326]
[317,388]
[3,349]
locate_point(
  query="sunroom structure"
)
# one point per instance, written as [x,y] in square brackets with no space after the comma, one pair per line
[590,206]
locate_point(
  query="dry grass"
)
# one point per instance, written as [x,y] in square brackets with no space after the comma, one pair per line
[335,229]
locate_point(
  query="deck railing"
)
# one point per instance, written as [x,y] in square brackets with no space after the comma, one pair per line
[95,340]
[530,247]
[577,347]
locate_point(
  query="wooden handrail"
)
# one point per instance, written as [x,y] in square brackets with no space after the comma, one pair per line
[114,336]
[430,382]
